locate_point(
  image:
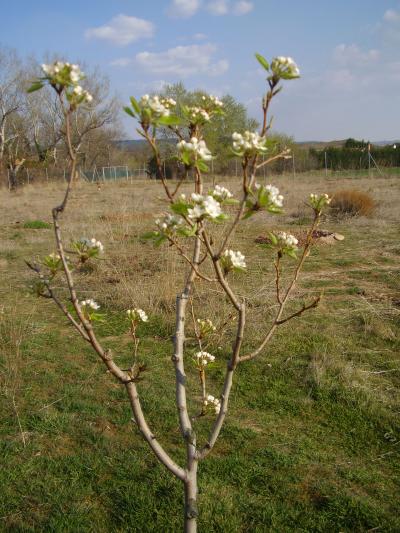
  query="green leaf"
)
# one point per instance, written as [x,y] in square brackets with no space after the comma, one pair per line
[263,62]
[202,166]
[171,120]
[180,208]
[135,105]
[129,111]
[36,86]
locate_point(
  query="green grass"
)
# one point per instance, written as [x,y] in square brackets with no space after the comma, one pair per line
[311,443]
[36,224]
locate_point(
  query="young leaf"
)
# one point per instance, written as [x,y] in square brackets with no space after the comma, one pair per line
[129,111]
[263,62]
[36,86]
[171,120]
[135,105]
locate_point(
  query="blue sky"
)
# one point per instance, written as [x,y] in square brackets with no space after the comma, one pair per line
[347,51]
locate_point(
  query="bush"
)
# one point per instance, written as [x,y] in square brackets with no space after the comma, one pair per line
[352,203]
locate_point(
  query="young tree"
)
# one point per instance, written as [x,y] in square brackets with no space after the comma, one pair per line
[188,226]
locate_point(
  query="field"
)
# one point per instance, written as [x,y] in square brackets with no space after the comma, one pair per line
[312,439]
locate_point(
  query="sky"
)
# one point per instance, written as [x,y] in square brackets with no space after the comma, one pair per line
[347,52]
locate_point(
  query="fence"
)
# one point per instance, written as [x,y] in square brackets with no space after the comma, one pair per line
[115,173]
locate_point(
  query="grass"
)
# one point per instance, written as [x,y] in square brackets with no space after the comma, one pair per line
[312,439]
[36,224]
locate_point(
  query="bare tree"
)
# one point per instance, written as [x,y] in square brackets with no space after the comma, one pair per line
[11,97]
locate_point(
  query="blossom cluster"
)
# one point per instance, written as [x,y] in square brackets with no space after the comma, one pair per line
[319,201]
[137,315]
[210,105]
[285,68]
[264,197]
[169,224]
[67,75]
[212,401]
[231,260]
[53,262]
[211,101]
[87,248]
[221,193]
[286,239]
[197,115]
[205,326]
[60,71]
[82,94]
[204,207]
[248,144]
[155,106]
[285,243]
[90,303]
[203,358]
[274,197]
[193,150]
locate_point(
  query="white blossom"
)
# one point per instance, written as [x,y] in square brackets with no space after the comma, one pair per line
[169,223]
[203,358]
[63,72]
[233,260]
[93,243]
[90,303]
[205,207]
[248,143]
[206,326]
[195,149]
[285,67]
[286,240]
[221,193]
[158,107]
[211,400]
[137,315]
[198,114]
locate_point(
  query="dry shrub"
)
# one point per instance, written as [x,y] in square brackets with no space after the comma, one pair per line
[352,202]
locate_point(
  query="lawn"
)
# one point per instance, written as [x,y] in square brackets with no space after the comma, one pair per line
[312,439]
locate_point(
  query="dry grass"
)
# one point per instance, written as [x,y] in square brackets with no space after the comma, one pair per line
[352,202]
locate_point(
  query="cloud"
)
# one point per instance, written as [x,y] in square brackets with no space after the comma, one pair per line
[122,30]
[218,7]
[121,62]
[183,8]
[182,61]
[351,55]
[391,16]
[243,7]
[390,27]
[199,36]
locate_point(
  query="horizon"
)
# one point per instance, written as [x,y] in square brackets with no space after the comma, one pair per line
[347,54]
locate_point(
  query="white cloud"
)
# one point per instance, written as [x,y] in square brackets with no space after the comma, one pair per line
[391,16]
[122,30]
[218,7]
[183,8]
[351,55]
[121,62]
[243,7]
[182,61]
[199,36]
[390,27]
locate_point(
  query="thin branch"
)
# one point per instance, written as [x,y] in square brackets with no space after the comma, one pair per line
[304,308]
[289,290]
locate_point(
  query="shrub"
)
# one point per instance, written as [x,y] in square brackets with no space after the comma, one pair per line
[352,203]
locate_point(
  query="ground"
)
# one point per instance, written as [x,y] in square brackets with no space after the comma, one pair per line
[312,439]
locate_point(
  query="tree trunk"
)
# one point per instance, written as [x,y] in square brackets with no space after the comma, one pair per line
[12,176]
[191,511]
